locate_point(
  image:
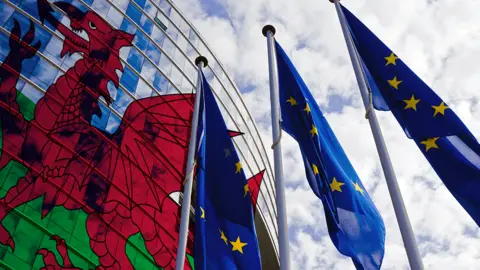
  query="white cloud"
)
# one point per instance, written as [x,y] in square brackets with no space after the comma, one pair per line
[438,39]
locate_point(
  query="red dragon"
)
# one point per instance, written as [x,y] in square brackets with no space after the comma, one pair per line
[122,180]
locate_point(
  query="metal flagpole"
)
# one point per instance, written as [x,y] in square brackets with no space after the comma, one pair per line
[408,237]
[187,192]
[269,31]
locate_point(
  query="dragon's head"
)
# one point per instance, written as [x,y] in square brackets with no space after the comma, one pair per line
[91,35]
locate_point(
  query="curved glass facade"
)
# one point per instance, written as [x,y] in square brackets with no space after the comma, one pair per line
[160,61]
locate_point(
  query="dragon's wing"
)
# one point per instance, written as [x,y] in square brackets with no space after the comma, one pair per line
[153,139]
[140,164]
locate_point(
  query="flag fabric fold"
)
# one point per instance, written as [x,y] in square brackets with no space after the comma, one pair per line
[225,236]
[441,136]
[354,224]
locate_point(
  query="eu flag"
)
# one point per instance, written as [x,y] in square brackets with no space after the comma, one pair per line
[445,141]
[225,236]
[354,224]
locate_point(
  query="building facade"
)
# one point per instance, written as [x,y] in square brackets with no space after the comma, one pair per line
[131,50]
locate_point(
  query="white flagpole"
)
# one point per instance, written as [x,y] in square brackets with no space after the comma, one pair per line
[187,192]
[408,237]
[269,31]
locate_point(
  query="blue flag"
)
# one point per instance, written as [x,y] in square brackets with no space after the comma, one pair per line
[354,224]
[445,141]
[225,236]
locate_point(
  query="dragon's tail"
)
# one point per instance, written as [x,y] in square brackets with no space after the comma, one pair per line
[13,130]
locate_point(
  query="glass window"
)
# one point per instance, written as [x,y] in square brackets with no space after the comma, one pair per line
[122,4]
[101,7]
[182,43]
[148,72]
[193,37]
[165,6]
[146,24]
[135,59]
[153,52]
[129,80]
[191,52]
[134,13]
[115,17]
[128,27]
[122,101]
[184,27]
[158,36]
[150,9]
[141,3]
[143,90]
[4,47]
[165,65]
[113,123]
[7,11]
[180,60]
[160,83]
[168,47]
[44,73]
[140,41]
[175,17]
[176,78]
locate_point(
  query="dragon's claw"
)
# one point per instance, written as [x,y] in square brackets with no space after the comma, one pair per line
[30,35]
[23,46]
[43,252]
[56,238]
[50,260]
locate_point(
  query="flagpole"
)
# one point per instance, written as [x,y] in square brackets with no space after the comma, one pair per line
[269,31]
[187,192]
[408,237]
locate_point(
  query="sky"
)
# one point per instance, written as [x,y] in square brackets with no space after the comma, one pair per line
[438,39]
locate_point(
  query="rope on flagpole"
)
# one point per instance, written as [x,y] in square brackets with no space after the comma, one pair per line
[370,103]
[370,95]
[187,176]
[279,138]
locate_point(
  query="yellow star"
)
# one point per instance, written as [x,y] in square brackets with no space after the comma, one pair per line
[307,109]
[227,152]
[315,169]
[292,101]
[246,188]
[314,131]
[223,237]
[238,165]
[335,185]
[430,143]
[394,82]
[238,245]
[203,213]
[440,109]
[411,103]
[358,188]
[391,59]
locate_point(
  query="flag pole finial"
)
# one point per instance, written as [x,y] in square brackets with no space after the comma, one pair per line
[201,59]
[268,28]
